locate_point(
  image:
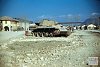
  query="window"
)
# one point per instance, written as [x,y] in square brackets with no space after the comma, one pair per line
[5,22]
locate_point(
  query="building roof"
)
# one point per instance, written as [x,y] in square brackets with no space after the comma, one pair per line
[7,18]
[23,20]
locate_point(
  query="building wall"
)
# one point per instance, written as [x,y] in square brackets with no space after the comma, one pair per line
[14,25]
[24,25]
[11,24]
[6,23]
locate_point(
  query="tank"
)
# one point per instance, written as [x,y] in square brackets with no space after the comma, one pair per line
[48,28]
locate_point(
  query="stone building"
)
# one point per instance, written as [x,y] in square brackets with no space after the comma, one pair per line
[8,23]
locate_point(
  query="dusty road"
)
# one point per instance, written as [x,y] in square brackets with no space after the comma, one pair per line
[71,51]
[6,35]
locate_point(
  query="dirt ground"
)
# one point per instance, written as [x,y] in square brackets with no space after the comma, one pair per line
[71,51]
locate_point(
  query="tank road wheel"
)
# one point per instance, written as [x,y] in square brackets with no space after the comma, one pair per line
[40,34]
[51,34]
[35,34]
[44,35]
[47,34]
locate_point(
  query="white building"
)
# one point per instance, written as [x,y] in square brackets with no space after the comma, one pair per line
[23,23]
[91,27]
[13,24]
[8,23]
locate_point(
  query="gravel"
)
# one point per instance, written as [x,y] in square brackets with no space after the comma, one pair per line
[71,51]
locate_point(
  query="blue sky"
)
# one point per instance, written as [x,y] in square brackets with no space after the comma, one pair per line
[59,10]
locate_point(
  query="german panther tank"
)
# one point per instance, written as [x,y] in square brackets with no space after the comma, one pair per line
[48,28]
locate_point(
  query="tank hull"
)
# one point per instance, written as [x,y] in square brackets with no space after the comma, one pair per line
[48,32]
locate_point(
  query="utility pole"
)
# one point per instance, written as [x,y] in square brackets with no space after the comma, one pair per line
[99,23]
[24,18]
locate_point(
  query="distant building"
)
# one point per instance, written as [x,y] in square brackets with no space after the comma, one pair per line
[8,23]
[91,27]
[23,23]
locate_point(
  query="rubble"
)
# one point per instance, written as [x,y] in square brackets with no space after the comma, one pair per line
[72,51]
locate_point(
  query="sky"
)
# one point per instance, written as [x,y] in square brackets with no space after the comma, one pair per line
[58,10]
